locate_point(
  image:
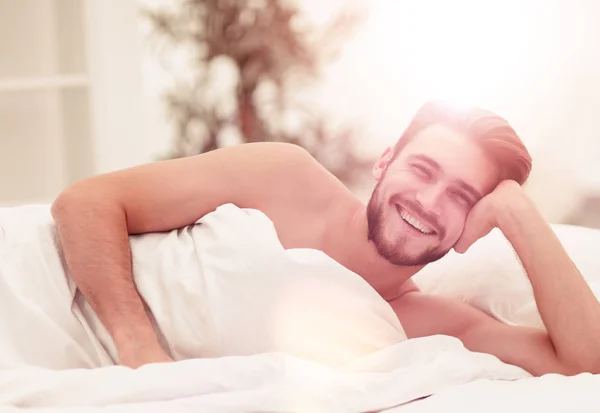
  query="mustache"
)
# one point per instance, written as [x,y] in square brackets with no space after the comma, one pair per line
[427,217]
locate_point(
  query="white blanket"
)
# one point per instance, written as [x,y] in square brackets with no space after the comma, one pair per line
[257,327]
[227,287]
[268,382]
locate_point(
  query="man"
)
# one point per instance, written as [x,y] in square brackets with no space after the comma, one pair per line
[451,178]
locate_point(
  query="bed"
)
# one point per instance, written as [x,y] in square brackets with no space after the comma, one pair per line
[59,358]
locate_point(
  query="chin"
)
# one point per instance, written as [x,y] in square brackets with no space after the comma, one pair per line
[403,255]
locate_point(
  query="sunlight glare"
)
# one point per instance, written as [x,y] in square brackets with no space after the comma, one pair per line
[444,49]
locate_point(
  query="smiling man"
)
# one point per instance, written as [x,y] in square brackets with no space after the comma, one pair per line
[430,181]
[452,177]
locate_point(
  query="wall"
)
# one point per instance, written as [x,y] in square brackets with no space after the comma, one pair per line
[25,143]
[129,125]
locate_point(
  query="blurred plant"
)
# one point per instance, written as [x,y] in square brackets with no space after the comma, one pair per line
[275,52]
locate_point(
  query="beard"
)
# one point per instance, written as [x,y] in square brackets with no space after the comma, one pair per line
[395,251]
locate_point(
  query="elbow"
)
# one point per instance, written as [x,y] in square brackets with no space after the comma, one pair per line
[70,200]
[584,360]
[576,368]
[65,202]
[568,370]
[81,198]
[591,367]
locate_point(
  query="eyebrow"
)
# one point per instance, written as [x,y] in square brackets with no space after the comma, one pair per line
[463,185]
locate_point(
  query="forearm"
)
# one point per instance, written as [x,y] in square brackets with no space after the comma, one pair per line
[569,309]
[95,242]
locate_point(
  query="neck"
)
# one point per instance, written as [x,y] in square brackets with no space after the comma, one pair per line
[351,247]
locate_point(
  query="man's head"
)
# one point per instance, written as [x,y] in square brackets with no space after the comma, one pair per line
[446,160]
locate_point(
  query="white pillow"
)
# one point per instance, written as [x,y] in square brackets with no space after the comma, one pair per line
[490,276]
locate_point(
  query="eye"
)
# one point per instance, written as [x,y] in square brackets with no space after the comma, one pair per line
[461,197]
[421,171]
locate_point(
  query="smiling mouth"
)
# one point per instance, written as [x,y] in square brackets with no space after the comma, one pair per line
[415,222]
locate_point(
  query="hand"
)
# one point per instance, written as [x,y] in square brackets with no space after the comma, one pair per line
[134,355]
[486,214]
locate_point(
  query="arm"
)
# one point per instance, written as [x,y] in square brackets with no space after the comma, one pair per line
[529,348]
[94,218]
[569,309]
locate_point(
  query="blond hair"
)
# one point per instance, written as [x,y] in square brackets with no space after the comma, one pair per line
[495,135]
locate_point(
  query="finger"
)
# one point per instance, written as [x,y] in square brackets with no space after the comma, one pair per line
[466,239]
[473,229]
[470,237]
[462,245]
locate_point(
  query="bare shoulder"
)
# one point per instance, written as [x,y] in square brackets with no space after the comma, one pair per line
[290,160]
[294,174]
[297,162]
[304,176]
[287,159]
[275,152]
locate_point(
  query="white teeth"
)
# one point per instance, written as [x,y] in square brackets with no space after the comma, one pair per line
[415,223]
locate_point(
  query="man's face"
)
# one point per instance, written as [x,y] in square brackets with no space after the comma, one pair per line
[418,209]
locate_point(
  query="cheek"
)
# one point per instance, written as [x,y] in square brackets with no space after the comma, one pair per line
[395,185]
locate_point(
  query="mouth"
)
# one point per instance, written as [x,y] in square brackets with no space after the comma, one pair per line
[415,223]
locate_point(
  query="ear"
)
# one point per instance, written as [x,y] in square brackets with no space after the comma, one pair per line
[382,163]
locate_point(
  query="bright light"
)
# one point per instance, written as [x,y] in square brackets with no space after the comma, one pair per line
[500,55]
[459,50]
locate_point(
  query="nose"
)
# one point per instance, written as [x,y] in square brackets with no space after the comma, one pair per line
[429,198]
